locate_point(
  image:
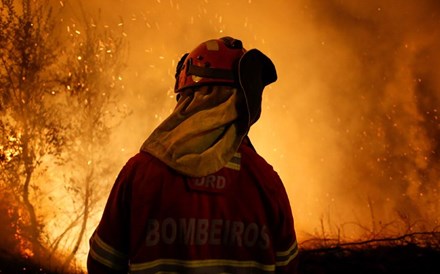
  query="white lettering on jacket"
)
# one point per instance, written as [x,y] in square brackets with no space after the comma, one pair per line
[193,231]
[210,183]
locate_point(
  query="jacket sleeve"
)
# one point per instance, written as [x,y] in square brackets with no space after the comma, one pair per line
[286,244]
[109,244]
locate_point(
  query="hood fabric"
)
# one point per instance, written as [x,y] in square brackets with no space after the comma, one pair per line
[202,133]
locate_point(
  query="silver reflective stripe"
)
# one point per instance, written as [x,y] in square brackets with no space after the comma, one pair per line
[201,267]
[107,255]
[235,162]
[285,257]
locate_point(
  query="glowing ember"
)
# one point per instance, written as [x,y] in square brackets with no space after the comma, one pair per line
[25,247]
[352,125]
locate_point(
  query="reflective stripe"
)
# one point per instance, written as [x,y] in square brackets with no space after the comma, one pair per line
[107,255]
[212,45]
[235,162]
[201,266]
[216,73]
[285,257]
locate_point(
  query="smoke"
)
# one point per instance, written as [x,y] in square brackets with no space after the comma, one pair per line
[386,109]
[352,123]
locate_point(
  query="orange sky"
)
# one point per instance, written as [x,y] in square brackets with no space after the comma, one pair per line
[352,123]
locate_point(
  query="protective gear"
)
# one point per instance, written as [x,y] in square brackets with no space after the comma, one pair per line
[197,198]
[202,133]
[212,62]
[237,220]
[224,61]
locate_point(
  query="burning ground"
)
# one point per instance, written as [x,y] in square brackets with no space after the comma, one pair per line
[411,253]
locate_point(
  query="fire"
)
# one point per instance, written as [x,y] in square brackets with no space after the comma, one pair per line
[13,149]
[352,125]
[24,246]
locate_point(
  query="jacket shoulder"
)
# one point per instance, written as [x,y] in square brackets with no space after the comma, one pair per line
[142,159]
[255,164]
[251,158]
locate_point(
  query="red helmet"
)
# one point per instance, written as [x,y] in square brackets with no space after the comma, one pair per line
[224,61]
[212,62]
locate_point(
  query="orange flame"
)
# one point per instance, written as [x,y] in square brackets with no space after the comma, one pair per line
[351,125]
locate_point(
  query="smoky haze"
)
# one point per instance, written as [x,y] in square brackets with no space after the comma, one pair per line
[352,124]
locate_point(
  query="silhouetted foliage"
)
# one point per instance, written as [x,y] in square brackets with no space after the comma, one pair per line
[57,106]
[409,253]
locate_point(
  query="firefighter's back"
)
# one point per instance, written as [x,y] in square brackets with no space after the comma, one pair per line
[226,222]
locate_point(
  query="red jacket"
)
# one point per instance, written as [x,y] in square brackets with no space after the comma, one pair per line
[237,220]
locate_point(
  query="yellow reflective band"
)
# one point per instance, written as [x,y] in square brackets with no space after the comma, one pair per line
[101,244]
[234,163]
[104,261]
[289,259]
[201,263]
[288,255]
[287,252]
[107,255]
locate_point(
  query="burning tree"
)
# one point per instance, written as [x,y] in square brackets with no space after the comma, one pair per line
[57,102]
[92,80]
[29,124]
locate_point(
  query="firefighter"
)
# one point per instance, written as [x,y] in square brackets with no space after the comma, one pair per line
[198,198]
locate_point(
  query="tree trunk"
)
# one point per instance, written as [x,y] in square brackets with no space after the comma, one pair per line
[34,227]
[86,210]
